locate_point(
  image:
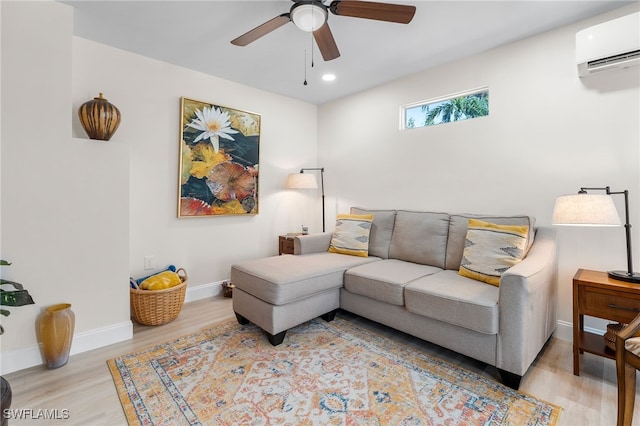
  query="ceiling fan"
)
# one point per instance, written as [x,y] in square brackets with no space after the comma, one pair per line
[312,16]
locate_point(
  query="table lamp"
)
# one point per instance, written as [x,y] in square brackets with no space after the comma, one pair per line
[584,209]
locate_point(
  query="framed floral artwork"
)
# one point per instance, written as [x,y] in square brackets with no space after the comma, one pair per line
[219,151]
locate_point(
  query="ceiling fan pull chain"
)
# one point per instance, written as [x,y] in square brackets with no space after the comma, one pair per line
[311,49]
[305,67]
[311,34]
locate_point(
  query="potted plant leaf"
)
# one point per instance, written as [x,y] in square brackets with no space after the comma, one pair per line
[16,297]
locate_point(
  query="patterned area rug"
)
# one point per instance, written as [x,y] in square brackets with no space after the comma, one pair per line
[323,374]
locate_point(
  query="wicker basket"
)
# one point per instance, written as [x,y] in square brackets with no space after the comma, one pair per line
[227,289]
[156,307]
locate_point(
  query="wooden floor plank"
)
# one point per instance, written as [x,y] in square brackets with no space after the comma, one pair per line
[85,388]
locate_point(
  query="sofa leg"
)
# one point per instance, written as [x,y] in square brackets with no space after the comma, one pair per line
[241,320]
[329,316]
[510,379]
[275,340]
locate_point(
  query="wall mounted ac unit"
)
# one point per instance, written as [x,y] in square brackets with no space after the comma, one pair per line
[610,45]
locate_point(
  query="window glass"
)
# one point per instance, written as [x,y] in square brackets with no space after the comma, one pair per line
[457,107]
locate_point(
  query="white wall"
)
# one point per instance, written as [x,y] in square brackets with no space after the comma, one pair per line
[548,134]
[78,216]
[64,210]
[148,92]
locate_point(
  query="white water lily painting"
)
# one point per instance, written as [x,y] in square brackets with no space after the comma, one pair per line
[219,151]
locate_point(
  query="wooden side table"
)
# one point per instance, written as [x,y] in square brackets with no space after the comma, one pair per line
[597,295]
[285,243]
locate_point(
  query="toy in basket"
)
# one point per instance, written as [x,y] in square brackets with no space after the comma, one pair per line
[163,302]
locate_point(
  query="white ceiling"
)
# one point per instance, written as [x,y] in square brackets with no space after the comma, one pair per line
[197,35]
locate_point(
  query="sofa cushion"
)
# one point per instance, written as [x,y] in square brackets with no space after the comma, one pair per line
[351,235]
[283,279]
[458,233]
[449,297]
[633,345]
[491,249]
[420,237]
[385,280]
[381,230]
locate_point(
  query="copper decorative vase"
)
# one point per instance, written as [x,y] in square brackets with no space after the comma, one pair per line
[56,333]
[99,118]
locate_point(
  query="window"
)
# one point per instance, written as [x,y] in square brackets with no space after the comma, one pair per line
[456,107]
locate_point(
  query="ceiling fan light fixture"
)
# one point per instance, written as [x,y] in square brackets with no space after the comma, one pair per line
[309,16]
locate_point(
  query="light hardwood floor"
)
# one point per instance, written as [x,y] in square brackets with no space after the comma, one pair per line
[84,386]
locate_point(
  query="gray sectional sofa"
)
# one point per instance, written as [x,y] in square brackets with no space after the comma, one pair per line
[410,282]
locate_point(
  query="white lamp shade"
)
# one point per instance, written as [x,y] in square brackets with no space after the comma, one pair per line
[301,181]
[585,210]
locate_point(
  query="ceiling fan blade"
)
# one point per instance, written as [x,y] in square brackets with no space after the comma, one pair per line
[399,13]
[261,30]
[326,42]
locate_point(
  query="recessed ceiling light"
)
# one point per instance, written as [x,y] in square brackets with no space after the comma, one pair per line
[329,77]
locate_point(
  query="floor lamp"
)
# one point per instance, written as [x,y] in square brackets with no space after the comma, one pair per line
[583,209]
[307,181]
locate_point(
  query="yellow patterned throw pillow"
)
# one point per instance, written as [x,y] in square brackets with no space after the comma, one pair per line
[491,249]
[351,235]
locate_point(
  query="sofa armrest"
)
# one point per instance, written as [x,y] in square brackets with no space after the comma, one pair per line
[312,243]
[528,304]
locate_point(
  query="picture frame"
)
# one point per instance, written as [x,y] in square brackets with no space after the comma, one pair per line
[219,157]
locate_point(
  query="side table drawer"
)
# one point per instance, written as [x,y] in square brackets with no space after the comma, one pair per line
[617,307]
[287,245]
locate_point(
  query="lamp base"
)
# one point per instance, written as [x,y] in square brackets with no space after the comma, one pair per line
[633,277]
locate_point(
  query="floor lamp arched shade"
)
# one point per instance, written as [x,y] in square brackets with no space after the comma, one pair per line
[307,181]
[99,118]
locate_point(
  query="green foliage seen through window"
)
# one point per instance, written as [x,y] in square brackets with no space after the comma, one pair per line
[456,108]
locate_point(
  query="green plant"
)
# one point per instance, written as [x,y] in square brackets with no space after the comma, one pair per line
[17,297]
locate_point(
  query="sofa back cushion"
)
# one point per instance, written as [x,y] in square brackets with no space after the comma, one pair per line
[381,230]
[458,233]
[420,237]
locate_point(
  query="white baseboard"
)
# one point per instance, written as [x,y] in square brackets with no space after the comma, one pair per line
[101,337]
[203,291]
[20,359]
[564,331]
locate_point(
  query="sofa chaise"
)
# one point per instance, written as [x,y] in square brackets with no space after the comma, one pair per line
[411,278]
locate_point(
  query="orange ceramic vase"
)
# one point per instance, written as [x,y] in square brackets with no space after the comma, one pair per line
[56,333]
